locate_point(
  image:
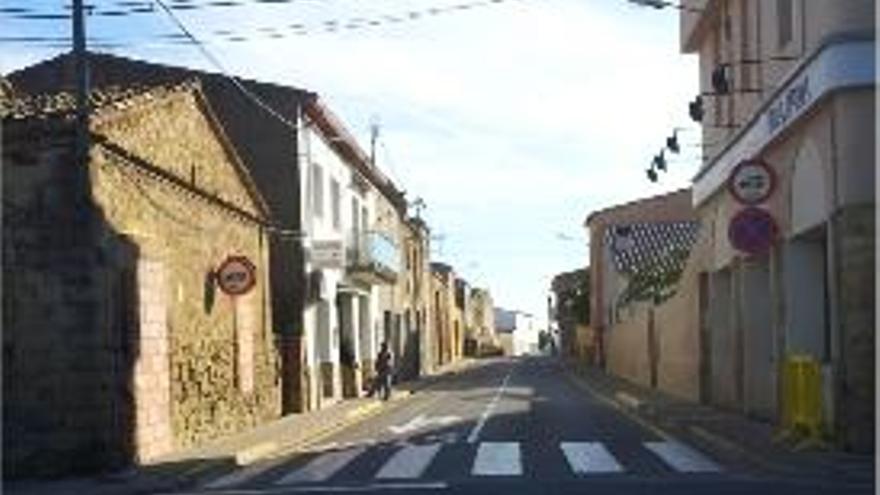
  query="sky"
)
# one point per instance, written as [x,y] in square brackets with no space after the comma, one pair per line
[512,120]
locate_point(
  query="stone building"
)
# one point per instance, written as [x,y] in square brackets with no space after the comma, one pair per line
[416,244]
[790,137]
[482,317]
[268,147]
[332,258]
[446,329]
[119,345]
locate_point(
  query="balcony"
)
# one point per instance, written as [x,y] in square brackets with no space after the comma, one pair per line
[373,258]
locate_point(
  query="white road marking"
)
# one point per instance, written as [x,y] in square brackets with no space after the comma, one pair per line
[497,459]
[409,462]
[589,457]
[472,438]
[322,467]
[682,458]
[421,421]
[374,487]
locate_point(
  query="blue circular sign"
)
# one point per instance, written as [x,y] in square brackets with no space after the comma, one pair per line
[752,231]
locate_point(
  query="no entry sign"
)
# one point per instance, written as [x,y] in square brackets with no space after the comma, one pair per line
[236,276]
[752,182]
[752,231]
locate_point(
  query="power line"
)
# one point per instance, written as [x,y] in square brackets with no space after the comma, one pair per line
[216,62]
[294,29]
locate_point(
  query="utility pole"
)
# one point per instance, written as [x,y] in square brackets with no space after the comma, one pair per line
[82,93]
[374,135]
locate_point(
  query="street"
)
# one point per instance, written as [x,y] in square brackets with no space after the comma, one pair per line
[522,425]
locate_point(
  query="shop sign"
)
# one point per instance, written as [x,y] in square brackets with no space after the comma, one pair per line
[836,66]
[789,104]
[752,231]
[751,182]
[327,254]
[236,276]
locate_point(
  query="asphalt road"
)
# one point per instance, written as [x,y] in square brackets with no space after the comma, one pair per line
[509,426]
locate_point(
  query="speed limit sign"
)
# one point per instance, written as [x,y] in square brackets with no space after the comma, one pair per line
[236,276]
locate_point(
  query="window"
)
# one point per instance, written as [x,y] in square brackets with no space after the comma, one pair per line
[365,220]
[784,16]
[355,218]
[317,190]
[335,200]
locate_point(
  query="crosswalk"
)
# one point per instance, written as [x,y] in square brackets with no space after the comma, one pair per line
[410,462]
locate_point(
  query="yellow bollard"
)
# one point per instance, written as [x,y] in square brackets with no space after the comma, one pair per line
[802,394]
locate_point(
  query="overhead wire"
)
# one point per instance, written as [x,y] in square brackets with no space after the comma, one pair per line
[220,66]
[287,31]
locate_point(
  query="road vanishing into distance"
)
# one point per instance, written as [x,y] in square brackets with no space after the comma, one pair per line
[510,426]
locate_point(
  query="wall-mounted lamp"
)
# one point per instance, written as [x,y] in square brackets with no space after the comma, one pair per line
[696,110]
[663,4]
[672,143]
[659,162]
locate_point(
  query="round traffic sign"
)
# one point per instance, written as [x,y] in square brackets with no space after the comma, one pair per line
[236,276]
[752,231]
[752,181]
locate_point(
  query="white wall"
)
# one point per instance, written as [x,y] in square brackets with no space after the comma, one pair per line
[315,150]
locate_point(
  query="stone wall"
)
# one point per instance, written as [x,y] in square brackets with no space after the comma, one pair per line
[118,346]
[216,387]
[64,363]
[856,245]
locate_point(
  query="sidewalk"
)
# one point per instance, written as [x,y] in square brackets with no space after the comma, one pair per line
[731,437]
[184,468]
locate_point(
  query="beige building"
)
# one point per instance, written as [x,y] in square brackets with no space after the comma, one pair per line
[416,242]
[643,314]
[120,344]
[482,319]
[447,330]
[788,85]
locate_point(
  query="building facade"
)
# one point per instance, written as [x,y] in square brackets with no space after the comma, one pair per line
[792,85]
[571,313]
[447,331]
[643,292]
[517,331]
[119,344]
[482,311]
[348,262]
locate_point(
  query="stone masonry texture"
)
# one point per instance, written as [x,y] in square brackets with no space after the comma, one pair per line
[856,249]
[92,345]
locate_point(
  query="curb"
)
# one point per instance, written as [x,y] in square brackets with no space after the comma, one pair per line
[272,449]
[628,400]
[635,409]
[622,407]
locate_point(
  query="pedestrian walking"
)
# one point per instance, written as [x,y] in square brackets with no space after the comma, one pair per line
[382,381]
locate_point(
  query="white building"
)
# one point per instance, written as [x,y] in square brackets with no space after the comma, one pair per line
[346,262]
[518,332]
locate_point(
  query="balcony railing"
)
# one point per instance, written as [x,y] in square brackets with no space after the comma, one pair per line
[373,257]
